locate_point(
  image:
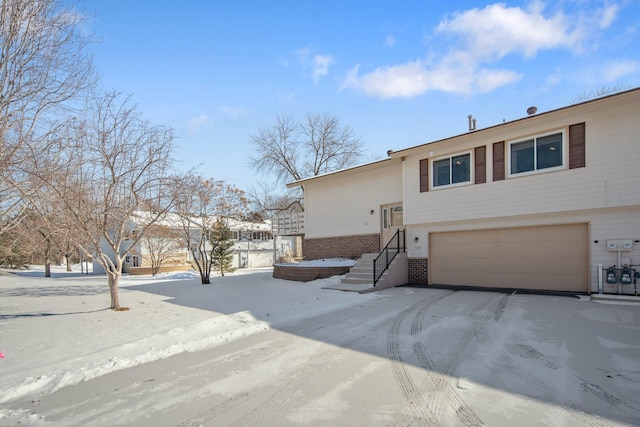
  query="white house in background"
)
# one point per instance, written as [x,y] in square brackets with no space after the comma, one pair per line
[535,203]
[253,247]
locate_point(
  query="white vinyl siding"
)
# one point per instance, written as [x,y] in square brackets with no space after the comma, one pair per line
[609,179]
[342,204]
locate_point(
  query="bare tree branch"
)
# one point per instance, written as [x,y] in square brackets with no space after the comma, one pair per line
[44,68]
[291,151]
[111,183]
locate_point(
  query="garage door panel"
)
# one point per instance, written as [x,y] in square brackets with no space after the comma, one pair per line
[549,257]
[504,280]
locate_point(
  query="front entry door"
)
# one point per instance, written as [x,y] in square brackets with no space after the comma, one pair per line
[391,222]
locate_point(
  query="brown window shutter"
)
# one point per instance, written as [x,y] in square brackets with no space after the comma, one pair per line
[498,161]
[424,175]
[480,165]
[576,146]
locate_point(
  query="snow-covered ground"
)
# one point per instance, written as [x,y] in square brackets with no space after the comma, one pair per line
[58,331]
[249,349]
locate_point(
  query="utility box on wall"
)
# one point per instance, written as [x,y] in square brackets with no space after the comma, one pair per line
[619,245]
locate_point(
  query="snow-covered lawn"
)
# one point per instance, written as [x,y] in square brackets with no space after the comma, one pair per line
[59,331]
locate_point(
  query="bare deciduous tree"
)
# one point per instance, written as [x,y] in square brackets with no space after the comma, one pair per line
[204,205]
[267,200]
[44,66]
[597,93]
[113,183]
[292,150]
[160,243]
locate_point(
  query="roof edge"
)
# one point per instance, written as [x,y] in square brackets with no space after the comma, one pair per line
[300,182]
[403,151]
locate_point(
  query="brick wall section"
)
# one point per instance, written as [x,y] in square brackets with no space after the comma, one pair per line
[306,274]
[418,271]
[341,247]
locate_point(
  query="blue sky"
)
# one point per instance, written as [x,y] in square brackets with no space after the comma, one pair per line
[398,73]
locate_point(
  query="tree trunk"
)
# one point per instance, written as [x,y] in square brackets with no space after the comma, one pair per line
[47,255]
[68,258]
[205,277]
[114,281]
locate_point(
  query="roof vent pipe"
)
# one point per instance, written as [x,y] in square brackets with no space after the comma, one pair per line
[472,123]
[532,110]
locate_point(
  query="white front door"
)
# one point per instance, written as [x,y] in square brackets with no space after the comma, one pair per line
[392,221]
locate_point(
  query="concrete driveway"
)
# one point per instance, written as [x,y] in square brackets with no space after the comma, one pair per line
[410,357]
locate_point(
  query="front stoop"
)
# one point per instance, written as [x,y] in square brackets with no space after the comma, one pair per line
[360,277]
[362,272]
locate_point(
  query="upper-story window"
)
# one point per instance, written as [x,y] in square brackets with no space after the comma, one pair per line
[452,170]
[534,154]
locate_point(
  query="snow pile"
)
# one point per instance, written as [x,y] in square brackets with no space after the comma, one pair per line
[189,338]
[324,262]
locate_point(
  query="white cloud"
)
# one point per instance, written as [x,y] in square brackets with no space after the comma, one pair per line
[614,71]
[496,31]
[195,124]
[231,111]
[303,55]
[390,41]
[482,37]
[488,80]
[417,77]
[401,81]
[553,79]
[609,14]
[321,64]
[317,64]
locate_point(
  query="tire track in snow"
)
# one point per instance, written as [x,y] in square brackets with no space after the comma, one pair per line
[584,385]
[535,384]
[419,408]
[445,393]
[279,391]
[550,394]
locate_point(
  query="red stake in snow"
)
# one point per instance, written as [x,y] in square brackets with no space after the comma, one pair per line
[1,355]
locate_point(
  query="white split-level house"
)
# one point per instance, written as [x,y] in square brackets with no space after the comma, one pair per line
[542,202]
[254,247]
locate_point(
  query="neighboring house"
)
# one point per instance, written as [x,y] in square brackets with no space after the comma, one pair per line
[535,203]
[253,247]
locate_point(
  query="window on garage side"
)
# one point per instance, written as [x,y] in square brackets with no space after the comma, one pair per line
[538,153]
[452,170]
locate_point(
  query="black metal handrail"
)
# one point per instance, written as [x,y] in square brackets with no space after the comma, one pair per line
[385,257]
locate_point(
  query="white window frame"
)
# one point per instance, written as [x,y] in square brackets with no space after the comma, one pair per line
[450,157]
[535,171]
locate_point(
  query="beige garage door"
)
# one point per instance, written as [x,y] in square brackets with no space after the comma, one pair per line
[550,257]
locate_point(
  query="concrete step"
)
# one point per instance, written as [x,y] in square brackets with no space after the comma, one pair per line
[362,271]
[363,275]
[357,281]
[358,269]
